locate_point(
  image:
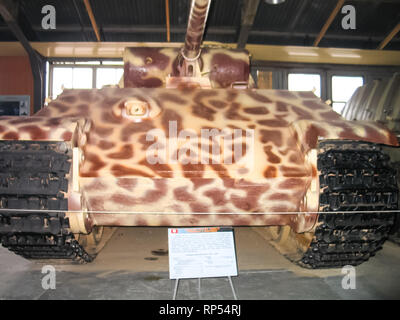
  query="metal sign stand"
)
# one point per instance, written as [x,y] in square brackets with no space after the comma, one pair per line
[199,288]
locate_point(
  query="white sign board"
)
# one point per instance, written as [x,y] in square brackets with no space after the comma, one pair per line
[201,253]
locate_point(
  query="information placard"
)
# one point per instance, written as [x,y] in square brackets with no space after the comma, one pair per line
[201,253]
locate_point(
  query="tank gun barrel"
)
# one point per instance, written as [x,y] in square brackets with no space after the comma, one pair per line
[195,28]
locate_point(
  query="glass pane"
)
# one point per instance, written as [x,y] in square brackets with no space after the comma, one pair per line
[113,62]
[82,78]
[108,76]
[338,106]
[62,78]
[305,82]
[87,62]
[343,87]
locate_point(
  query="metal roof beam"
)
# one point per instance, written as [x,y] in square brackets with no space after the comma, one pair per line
[299,13]
[167,20]
[249,11]
[328,22]
[389,37]
[92,19]
[78,12]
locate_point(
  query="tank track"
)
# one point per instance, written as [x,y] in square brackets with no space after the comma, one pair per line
[353,176]
[33,177]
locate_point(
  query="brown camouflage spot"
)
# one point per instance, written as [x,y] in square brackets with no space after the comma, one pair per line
[181,194]
[119,170]
[68,99]
[103,131]
[270,172]
[127,183]
[282,209]
[153,196]
[220,170]
[35,132]
[288,171]
[124,199]
[53,122]
[330,115]
[95,161]
[279,196]
[170,115]
[258,97]
[273,136]
[285,94]
[306,94]
[292,183]
[126,152]
[314,105]
[170,97]
[203,111]
[219,104]
[11,136]
[105,145]
[243,203]
[233,114]
[217,196]
[256,110]
[274,123]
[302,114]
[272,157]
[199,182]
[281,107]
[198,207]
[66,136]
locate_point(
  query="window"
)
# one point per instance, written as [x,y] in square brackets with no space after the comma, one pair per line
[108,76]
[343,88]
[305,82]
[71,78]
[83,75]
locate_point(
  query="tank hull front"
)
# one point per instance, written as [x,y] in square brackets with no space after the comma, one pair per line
[271,180]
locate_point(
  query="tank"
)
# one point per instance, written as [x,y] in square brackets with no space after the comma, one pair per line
[189,141]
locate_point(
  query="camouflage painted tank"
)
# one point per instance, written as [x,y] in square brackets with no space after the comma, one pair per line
[188,141]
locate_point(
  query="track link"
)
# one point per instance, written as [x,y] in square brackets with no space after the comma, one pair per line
[33,177]
[353,176]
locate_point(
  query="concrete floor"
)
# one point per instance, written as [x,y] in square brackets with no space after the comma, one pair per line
[131,267]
